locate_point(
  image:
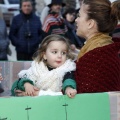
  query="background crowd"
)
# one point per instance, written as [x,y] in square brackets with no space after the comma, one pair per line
[93,29]
[27,30]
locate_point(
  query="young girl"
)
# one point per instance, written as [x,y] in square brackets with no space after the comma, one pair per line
[52,69]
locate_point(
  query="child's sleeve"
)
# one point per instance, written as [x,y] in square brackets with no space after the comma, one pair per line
[69,81]
[19,85]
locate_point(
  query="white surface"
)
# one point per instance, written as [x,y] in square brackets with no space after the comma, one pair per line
[115,105]
[4,7]
[13,55]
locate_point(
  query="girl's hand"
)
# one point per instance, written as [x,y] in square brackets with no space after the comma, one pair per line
[29,89]
[22,93]
[70,92]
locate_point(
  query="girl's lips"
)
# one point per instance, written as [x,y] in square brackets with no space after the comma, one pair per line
[58,62]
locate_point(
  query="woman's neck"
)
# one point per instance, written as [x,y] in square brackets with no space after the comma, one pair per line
[89,36]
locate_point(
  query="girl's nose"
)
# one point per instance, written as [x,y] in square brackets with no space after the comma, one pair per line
[59,55]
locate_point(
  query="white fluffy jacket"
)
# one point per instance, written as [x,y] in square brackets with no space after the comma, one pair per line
[45,79]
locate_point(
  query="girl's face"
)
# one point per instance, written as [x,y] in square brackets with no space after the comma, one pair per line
[56,53]
[82,22]
[70,17]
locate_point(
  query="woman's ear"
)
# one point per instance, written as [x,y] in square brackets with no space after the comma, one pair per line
[91,23]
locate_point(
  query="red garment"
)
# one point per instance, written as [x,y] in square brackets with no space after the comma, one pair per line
[99,70]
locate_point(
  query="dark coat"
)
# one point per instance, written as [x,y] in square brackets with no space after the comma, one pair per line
[26,33]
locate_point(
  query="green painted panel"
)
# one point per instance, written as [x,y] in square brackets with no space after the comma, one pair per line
[82,107]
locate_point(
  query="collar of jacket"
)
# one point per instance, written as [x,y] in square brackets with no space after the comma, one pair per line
[27,16]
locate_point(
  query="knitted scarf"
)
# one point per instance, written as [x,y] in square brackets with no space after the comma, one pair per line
[45,79]
[98,40]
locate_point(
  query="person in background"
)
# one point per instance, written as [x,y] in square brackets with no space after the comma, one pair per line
[51,71]
[4,41]
[78,4]
[26,31]
[69,18]
[116,32]
[54,23]
[3,35]
[33,5]
[98,63]
[45,11]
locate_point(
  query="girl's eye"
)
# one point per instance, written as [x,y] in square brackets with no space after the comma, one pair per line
[54,52]
[63,53]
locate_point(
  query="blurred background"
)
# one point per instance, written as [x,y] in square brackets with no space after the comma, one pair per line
[10,8]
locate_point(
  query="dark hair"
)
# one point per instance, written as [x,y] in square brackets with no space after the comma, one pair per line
[116,8]
[56,2]
[25,1]
[102,12]
[68,10]
[38,56]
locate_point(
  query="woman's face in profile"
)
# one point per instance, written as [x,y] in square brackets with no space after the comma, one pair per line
[82,22]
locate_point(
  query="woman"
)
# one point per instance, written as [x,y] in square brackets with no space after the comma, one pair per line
[98,64]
